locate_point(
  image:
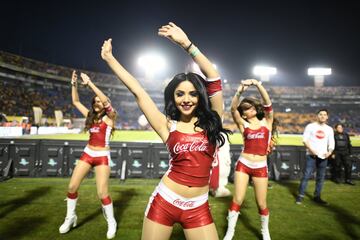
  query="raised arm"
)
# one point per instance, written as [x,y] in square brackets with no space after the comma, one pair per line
[75,96]
[179,37]
[269,114]
[110,112]
[156,119]
[239,121]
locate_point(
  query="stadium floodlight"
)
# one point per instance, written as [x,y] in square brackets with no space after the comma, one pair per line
[319,74]
[319,71]
[264,72]
[151,63]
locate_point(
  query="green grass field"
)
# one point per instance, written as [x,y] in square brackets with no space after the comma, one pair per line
[126,136]
[34,208]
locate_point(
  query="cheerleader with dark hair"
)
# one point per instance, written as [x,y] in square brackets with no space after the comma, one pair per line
[191,128]
[100,121]
[255,121]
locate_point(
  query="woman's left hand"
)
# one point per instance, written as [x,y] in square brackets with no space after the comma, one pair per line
[85,78]
[175,34]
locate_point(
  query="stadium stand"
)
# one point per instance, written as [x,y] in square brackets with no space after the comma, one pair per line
[25,83]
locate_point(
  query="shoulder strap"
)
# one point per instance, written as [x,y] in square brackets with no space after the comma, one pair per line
[173,125]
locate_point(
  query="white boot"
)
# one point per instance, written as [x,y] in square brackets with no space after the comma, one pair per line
[71,218]
[222,192]
[108,211]
[232,219]
[265,227]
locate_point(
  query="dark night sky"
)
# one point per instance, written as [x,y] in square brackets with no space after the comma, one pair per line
[236,35]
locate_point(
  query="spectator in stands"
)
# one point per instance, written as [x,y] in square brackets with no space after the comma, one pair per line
[100,121]
[191,129]
[318,139]
[342,154]
[3,119]
[255,122]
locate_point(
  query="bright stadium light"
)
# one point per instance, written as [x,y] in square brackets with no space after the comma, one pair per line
[151,63]
[319,71]
[319,74]
[264,72]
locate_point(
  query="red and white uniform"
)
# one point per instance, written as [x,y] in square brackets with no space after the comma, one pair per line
[99,137]
[191,158]
[255,142]
[100,134]
[166,207]
[190,165]
[220,172]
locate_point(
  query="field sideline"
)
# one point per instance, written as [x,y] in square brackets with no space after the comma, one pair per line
[151,136]
[34,208]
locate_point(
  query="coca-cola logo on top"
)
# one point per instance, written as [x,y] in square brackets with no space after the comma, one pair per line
[196,146]
[183,204]
[94,129]
[320,134]
[258,135]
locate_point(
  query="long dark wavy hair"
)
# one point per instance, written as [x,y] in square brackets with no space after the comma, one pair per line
[249,102]
[208,119]
[94,116]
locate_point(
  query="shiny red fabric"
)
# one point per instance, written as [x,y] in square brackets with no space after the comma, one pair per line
[212,87]
[98,134]
[72,195]
[106,200]
[167,214]
[268,108]
[191,158]
[234,207]
[256,141]
[254,172]
[94,161]
[215,174]
[264,212]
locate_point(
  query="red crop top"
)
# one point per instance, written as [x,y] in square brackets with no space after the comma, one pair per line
[256,141]
[191,158]
[100,134]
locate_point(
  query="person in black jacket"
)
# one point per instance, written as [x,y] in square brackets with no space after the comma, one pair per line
[342,154]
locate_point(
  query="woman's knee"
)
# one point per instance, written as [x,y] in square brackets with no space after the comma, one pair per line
[102,193]
[262,204]
[238,199]
[72,188]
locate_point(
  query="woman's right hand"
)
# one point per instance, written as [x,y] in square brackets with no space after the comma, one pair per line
[73,78]
[106,50]
[242,88]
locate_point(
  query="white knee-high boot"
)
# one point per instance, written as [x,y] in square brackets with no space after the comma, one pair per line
[232,219]
[265,227]
[71,218]
[108,211]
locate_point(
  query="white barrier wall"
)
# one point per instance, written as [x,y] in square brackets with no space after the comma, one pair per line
[11,131]
[18,131]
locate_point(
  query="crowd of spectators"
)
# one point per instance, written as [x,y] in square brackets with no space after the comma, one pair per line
[21,90]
